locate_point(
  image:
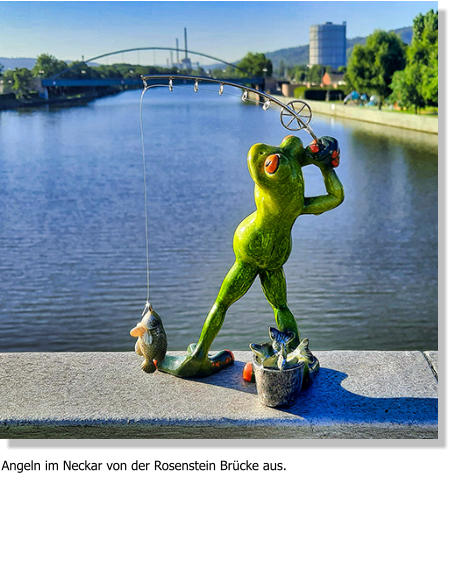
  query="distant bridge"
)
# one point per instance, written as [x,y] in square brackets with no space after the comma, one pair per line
[93,58]
[59,80]
[133,82]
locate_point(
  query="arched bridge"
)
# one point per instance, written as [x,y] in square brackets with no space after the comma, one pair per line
[62,80]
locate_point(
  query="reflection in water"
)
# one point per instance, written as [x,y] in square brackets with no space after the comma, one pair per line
[72,260]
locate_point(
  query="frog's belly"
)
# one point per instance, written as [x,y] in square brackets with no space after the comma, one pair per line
[264,249]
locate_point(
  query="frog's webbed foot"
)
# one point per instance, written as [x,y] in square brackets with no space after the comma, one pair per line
[193,365]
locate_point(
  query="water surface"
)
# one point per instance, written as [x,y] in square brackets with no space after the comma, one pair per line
[72,252]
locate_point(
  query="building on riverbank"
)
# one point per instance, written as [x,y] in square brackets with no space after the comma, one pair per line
[327,44]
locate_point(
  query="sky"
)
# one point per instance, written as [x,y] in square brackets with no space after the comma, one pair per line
[227,30]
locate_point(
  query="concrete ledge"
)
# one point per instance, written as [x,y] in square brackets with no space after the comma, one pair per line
[417,122]
[432,359]
[358,394]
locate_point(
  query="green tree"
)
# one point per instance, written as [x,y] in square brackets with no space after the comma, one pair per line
[20,80]
[406,86]
[315,73]
[371,67]
[256,64]
[298,73]
[79,69]
[417,85]
[47,65]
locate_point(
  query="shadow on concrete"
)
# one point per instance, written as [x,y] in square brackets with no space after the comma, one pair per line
[327,401]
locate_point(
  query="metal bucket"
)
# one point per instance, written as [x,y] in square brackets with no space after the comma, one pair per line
[279,388]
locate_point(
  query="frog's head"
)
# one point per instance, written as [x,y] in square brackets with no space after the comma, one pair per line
[277,167]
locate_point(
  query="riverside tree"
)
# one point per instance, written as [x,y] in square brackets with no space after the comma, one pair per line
[20,81]
[417,85]
[47,65]
[298,73]
[315,73]
[256,64]
[371,67]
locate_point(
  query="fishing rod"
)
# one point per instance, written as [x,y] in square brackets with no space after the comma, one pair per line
[295,115]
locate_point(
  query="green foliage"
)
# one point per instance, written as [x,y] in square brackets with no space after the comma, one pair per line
[79,69]
[20,80]
[417,85]
[47,65]
[256,64]
[312,74]
[315,73]
[225,72]
[371,67]
[299,91]
[298,73]
[407,86]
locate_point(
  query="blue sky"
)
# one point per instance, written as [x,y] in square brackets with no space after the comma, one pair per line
[225,29]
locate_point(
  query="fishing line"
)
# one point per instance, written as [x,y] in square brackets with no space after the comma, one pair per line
[146,224]
[296,110]
[145,190]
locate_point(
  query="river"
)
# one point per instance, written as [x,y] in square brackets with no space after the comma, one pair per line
[72,250]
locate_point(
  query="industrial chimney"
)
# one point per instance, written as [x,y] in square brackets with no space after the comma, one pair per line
[186,62]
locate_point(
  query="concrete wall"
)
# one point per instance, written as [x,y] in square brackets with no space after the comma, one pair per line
[396,119]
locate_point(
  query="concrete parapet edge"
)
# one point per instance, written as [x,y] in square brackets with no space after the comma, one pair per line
[357,395]
[433,361]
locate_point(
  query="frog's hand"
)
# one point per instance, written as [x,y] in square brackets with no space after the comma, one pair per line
[324,153]
[326,159]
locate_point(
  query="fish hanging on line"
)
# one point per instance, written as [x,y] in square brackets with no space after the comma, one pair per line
[152,343]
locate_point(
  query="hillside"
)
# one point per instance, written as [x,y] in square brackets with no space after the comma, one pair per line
[11,63]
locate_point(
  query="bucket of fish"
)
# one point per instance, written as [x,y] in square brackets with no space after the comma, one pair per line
[280,372]
[278,388]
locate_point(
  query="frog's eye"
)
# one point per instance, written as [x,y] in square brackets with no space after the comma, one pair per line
[271,163]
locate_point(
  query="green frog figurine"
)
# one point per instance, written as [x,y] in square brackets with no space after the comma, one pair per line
[262,242]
